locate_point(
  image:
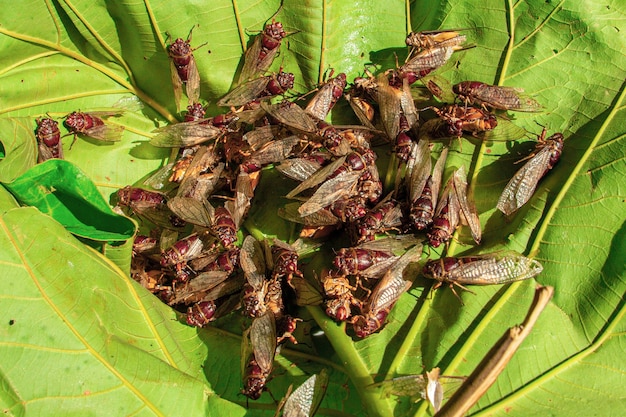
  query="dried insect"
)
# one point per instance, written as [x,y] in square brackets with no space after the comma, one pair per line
[261,54]
[523,184]
[432,39]
[424,62]
[48,139]
[371,259]
[340,295]
[184,70]
[495,97]
[387,291]
[285,259]
[452,207]
[423,188]
[429,387]
[487,269]
[200,314]
[387,215]
[91,124]
[256,287]
[291,115]
[149,205]
[257,352]
[262,87]
[183,250]
[461,120]
[324,100]
[193,131]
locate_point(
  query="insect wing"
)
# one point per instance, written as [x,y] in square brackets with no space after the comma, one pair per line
[317,219]
[495,269]
[184,134]
[341,186]
[177,83]
[393,284]
[263,340]
[438,173]
[291,115]
[505,98]
[468,209]
[244,191]
[194,290]
[318,177]
[418,168]
[191,210]
[261,136]
[253,262]
[245,93]
[523,184]
[275,151]
[304,400]
[390,104]
[192,86]
[363,110]
[298,169]
[428,60]
[324,100]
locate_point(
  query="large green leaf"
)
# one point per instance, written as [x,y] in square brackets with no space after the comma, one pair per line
[61,56]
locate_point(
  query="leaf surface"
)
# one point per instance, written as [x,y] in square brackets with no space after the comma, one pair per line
[64,56]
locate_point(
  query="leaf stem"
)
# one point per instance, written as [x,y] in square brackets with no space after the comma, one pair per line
[102,43]
[570,179]
[555,371]
[154,23]
[511,44]
[353,362]
[101,68]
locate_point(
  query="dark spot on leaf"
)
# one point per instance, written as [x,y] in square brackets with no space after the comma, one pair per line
[11,322]
[556,51]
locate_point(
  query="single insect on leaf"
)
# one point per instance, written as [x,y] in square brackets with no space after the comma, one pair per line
[487,269]
[496,97]
[48,139]
[523,184]
[91,124]
[184,70]
[261,54]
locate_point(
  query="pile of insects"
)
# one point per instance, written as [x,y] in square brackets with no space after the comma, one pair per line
[197,260]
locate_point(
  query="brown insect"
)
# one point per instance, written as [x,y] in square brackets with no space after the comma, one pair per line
[495,97]
[257,352]
[184,70]
[340,295]
[387,291]
[256,288]
[371,259]
[495,268]
[424,62]
[291,115]
[262,87]
[200,314]
[459,120]
[452,207]
[261,54]
[422,187]
[149,205]
[48,139]
[324,100]
[193,131]
[523,184]
[91,124]
[387,215]
[432,39]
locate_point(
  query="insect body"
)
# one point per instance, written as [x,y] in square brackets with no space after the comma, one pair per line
[523,184]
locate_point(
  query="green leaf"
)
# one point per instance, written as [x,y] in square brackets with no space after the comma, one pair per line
[62,56]
[58,188]
[91,340]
